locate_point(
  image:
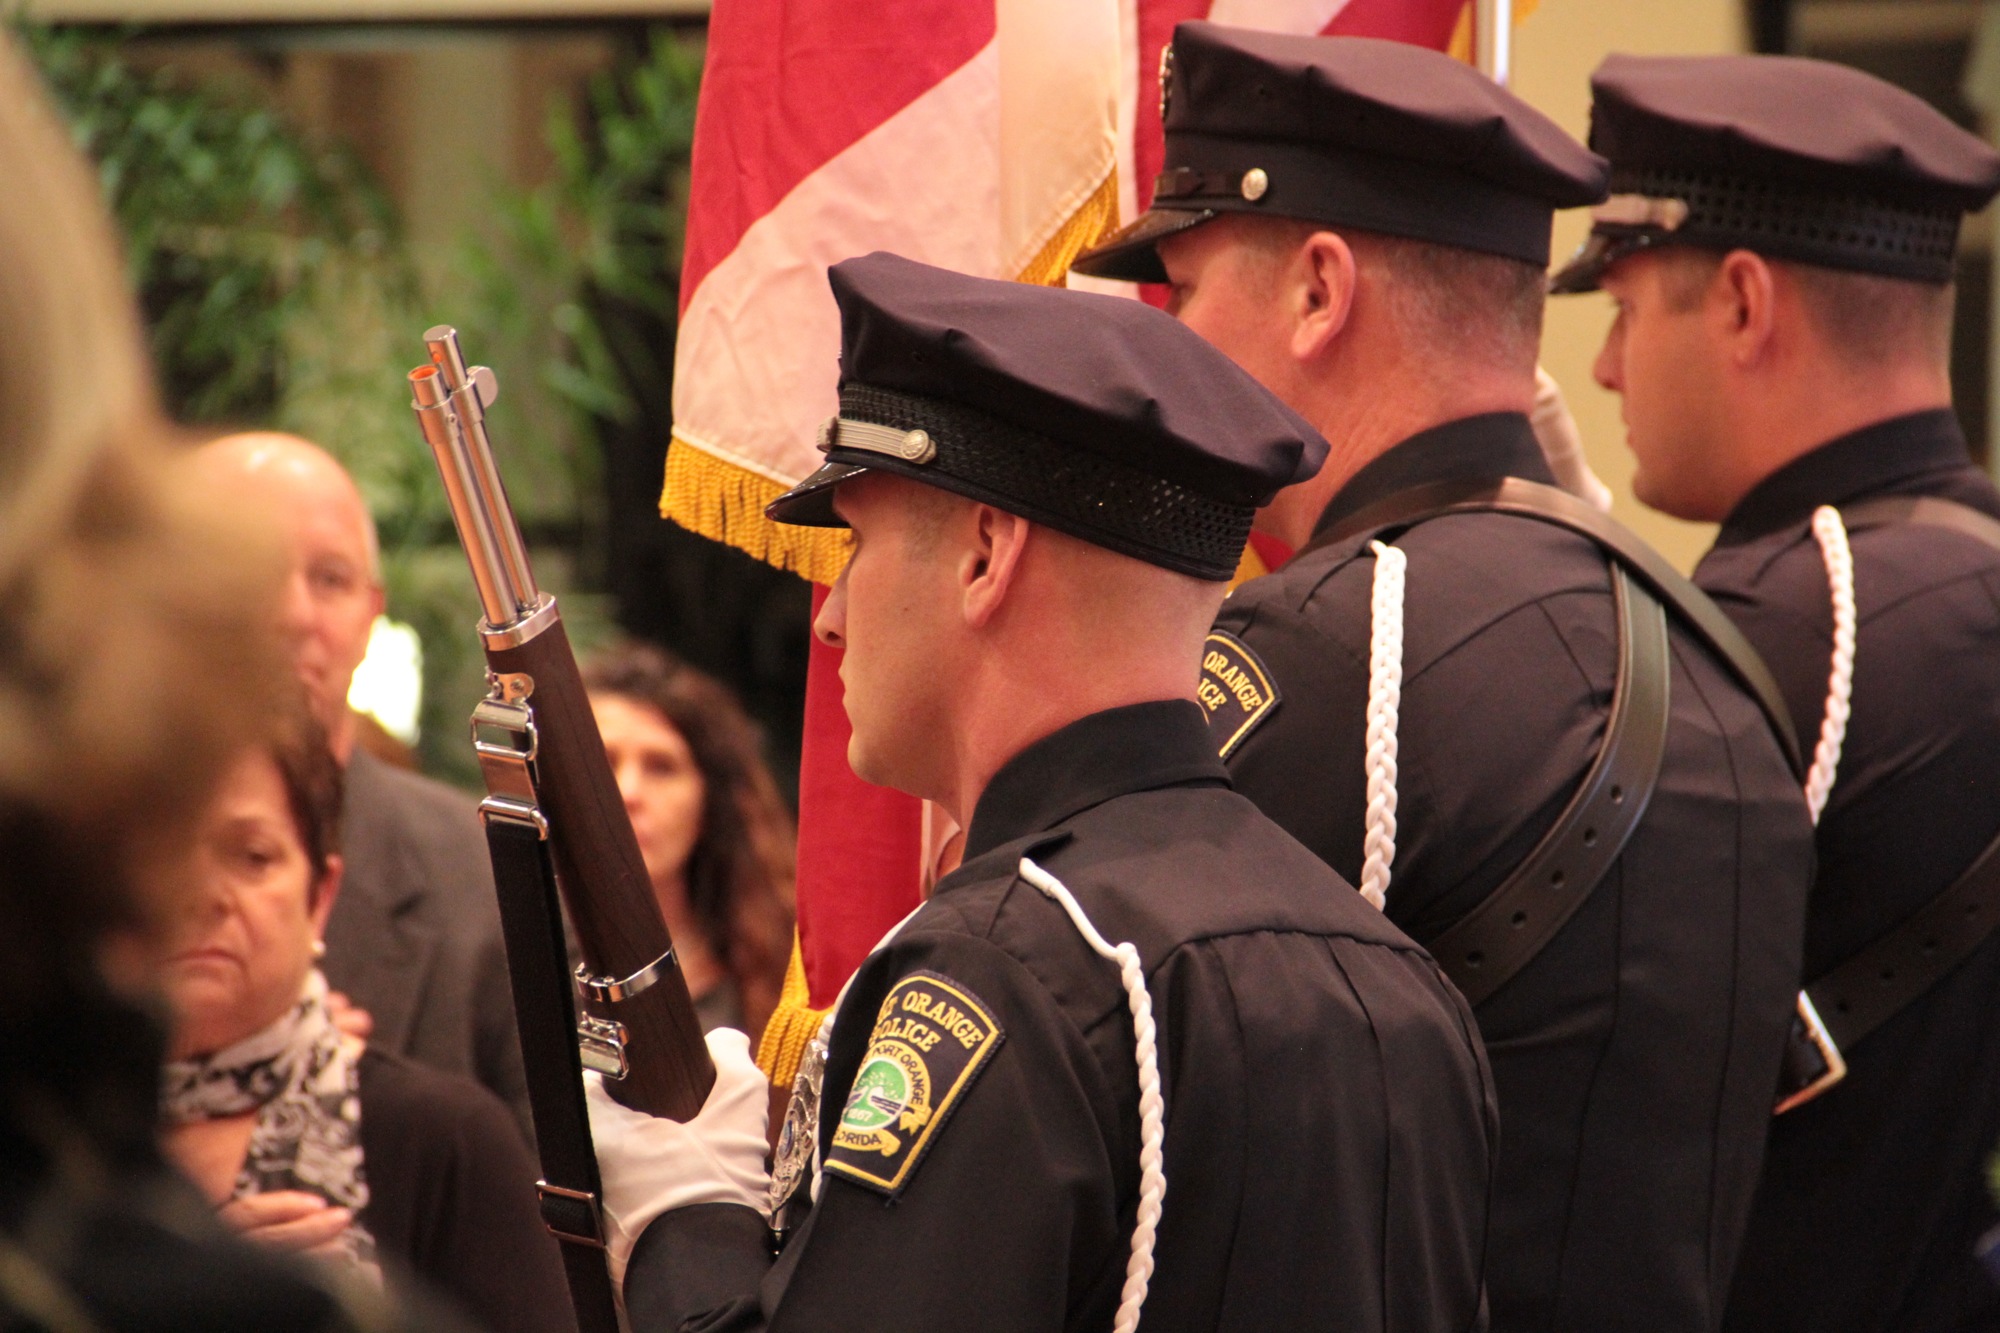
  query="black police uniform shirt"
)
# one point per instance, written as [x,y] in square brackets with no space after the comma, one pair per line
[1329,1117]
[1635,1057]
[1874,1193]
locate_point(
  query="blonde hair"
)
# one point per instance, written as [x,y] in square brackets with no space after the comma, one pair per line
[136,651]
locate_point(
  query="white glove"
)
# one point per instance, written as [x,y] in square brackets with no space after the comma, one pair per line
[1562,445]
[650,1165]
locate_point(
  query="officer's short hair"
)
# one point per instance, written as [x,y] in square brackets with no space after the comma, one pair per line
[1865,318]
[1454,300]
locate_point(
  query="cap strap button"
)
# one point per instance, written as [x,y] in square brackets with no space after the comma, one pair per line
[1255,183]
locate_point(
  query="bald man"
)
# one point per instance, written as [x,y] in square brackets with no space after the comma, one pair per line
[415,936]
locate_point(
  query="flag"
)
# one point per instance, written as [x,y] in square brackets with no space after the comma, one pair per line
[979,135]
[994,137]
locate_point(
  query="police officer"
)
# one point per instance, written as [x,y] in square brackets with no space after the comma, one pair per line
[1779,243]
[1473,695]
[1136,993]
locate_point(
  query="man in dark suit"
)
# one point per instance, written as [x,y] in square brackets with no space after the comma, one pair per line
[1489,707]
[1780,245]
[414,943]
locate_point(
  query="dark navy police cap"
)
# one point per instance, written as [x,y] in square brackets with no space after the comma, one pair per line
[1354,132]
[1095,415]
[1796,159]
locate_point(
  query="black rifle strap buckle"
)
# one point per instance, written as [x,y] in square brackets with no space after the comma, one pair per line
[574,1216]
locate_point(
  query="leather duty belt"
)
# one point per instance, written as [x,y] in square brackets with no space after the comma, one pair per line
[1489,946]
[1877,982]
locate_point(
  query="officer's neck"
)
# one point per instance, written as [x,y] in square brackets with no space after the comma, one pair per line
[1080,634]
[1368,411]
[1774,419]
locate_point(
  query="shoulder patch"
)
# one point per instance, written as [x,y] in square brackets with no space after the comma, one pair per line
[1235,688]
[932,1038]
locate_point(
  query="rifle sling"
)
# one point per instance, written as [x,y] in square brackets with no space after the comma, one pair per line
[545,1014]
[1872,985]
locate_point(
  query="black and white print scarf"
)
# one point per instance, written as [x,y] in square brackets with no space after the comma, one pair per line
[305,1086]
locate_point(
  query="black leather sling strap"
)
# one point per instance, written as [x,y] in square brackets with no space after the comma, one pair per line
[1489,946]
[1547,504]
[1871,986]
[545,1009]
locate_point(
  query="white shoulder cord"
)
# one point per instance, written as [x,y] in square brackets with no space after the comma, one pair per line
[1833,548]
[1152,1109]
[1385,697]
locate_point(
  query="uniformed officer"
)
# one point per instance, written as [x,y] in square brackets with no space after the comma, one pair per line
[1047,491]
[1779,244]
[1463,692]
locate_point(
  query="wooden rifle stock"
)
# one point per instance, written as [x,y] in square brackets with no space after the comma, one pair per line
[547,768]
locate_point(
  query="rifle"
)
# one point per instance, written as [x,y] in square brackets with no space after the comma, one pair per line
[556,825]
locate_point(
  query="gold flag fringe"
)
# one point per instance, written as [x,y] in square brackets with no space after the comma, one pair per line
[1095,218]
[725,502]
[793,1025]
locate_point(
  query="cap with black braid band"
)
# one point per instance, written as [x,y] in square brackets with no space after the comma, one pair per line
[1130,510]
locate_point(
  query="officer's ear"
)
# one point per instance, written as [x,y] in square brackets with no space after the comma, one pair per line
[987,570]
[1322,294]
[1741,306]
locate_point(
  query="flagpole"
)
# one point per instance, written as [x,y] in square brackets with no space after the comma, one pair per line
[1493,38]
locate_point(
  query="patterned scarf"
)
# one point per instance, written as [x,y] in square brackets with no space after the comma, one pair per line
[304,1084]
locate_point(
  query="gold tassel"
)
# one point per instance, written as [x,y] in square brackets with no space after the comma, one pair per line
[794,1023]
[725,502]
[1094,219]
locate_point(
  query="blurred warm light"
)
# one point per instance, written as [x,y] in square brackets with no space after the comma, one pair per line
[389,683]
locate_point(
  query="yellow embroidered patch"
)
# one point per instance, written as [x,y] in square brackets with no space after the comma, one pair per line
[1235,689]
[932,1037]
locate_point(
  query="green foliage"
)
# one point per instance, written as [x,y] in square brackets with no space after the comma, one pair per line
[226,212]
[280,292]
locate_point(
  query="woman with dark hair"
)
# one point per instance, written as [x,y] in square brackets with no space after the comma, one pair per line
[305,1139]
[716,836]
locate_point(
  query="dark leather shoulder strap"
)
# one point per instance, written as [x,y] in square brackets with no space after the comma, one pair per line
[1929,511]
[1547,504]
[1871,986]
[1486,948]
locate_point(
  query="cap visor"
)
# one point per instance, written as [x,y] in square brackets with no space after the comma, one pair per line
[1586,267]
[1129,255]
[810,503]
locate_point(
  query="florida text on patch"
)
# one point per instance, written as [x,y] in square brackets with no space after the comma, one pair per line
[1235,689]
[932,1037]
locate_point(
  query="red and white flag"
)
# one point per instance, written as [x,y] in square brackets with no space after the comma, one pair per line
[994,137]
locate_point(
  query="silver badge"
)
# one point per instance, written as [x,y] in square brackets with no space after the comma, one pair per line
[1166,78]
[792,1162]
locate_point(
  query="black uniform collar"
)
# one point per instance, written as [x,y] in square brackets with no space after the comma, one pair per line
[1491,446]
[1113,753]
[1874,458]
